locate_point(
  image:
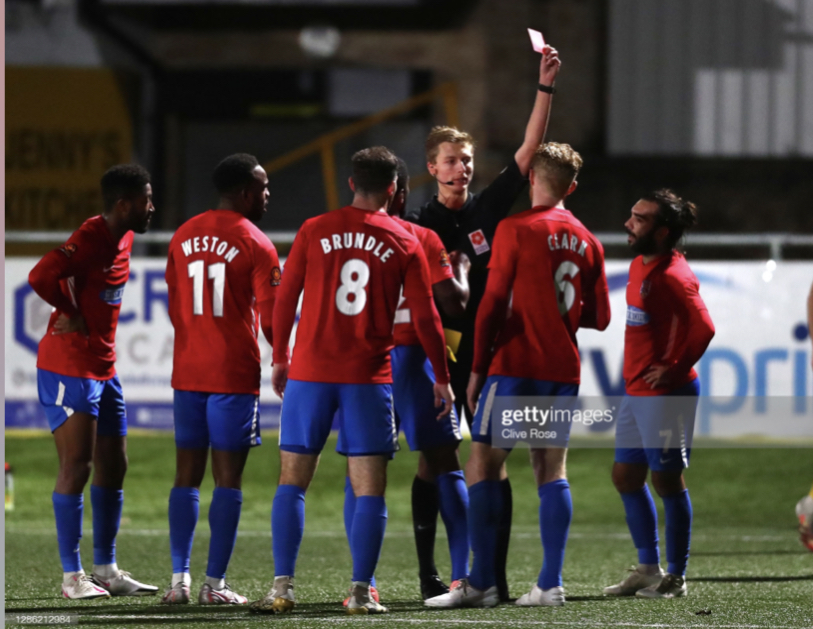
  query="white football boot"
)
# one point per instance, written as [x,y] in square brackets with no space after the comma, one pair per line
[178,594]
[77,585]
[635,581]
[671,586]
[123,584]
[464,595]
[279,600]
[362,600]
[224,596]
[537,597]
[804,511]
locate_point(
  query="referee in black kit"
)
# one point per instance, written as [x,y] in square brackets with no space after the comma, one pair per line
[466,222]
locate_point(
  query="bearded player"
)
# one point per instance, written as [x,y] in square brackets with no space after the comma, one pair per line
[413,399]
[352,265]
[668,330]
[77,382]
[546,280]
[222,275]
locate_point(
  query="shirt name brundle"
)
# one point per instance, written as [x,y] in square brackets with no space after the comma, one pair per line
[358,240]
[209,243]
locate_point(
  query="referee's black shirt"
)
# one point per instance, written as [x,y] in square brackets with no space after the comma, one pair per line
[471,230]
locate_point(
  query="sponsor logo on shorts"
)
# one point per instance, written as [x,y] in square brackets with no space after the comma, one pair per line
[636,317]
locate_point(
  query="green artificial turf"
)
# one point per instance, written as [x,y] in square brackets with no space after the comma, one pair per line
[747,568]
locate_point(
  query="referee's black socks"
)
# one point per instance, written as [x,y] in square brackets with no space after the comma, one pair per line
[425,508]
[503,537]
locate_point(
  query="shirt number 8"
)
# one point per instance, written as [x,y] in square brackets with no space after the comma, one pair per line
[354,275]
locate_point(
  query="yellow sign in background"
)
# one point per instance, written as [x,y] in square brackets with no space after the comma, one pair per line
[64,128]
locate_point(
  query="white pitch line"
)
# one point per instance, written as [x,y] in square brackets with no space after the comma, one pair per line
[454,621]
[339,533]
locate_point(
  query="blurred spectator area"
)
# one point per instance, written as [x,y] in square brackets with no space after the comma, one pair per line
[713,98]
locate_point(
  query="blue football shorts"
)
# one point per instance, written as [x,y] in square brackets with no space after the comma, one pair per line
[414,399]
[229,422]
[656,430]
[509,386]
[62,396]
[364,414]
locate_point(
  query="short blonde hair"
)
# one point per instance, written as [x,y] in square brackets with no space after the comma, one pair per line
[558,164]
[439,135]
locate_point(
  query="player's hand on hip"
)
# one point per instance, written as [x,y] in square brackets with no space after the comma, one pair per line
[549,66]
[443,397]
[66,325]
[279,378]
[476,382]
[657,376]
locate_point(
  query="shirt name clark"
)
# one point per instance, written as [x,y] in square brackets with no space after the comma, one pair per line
[358,240]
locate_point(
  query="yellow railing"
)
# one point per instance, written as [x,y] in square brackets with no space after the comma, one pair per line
[324,145]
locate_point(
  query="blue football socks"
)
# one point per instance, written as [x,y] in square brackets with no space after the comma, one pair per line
[485,510]
[367,535]
[287,527]
[454,502]
[106,505]
[642,520]
[184,506]
[555,514]
[349,512]
[678,514]
[224,516]
[68,512]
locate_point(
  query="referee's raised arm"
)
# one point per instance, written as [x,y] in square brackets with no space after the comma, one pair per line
[538,122]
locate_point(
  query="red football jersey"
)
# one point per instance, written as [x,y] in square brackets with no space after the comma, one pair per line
[86,275]
[667,323]
[220,269]
[440,269]
[552,269]
[351,264]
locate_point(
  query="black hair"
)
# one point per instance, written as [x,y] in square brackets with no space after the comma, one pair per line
[374,170]
[234,173]
[403,175]
[123,181]
[674,213]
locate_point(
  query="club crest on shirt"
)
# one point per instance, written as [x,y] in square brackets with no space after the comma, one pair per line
[276,276]
[479,242]
[646,286]
[68,249]
[444,258]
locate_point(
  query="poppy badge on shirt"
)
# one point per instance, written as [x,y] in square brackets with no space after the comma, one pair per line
[479,242]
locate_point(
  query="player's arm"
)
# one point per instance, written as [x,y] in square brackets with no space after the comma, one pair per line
[452,293]
[291,285]
[493,308]
[428,327]
[538,123]
[56,265]
[700,331]
[596,299]
[810,314]
[172,282]
[266,278]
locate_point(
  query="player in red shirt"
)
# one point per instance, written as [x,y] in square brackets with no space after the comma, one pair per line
[76,378]
[546,279]
[222,275]
[668,330]
[352,264]
[439,474]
